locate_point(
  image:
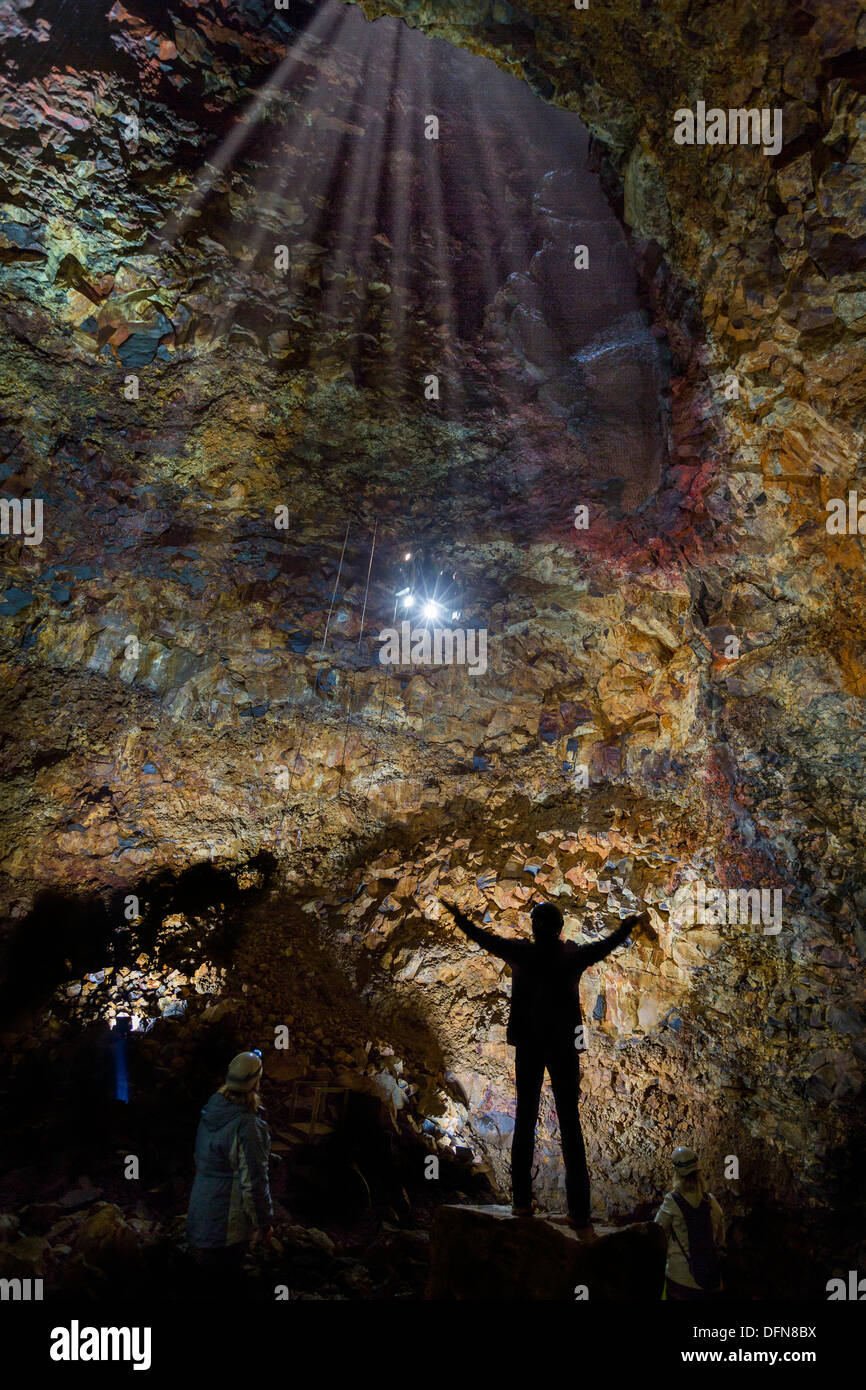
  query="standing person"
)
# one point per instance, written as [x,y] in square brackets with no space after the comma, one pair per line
[695,1228]
[542,1028]
[230,1203]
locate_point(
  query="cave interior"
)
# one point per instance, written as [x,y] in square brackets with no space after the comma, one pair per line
[327,322]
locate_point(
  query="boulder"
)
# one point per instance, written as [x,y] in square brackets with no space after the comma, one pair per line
[106,1241]
[486,1253]
[24,1259]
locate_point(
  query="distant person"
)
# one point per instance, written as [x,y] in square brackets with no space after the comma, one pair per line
[695,1228]
[230,1203]
[542,1028]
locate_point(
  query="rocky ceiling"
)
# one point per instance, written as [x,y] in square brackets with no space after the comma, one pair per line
[673,693]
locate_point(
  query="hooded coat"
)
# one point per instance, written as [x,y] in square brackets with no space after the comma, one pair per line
[231,1196]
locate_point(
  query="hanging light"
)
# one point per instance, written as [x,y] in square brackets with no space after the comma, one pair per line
[431,609]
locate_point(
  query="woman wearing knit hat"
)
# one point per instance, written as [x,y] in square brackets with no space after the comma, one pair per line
[230,1202]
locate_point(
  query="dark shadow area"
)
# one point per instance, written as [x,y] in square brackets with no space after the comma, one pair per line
[66,936]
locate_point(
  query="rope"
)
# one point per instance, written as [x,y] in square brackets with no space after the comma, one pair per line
[367,588]
[336,583]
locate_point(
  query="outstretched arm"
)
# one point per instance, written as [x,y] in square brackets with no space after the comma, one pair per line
[496,945]
[589,955]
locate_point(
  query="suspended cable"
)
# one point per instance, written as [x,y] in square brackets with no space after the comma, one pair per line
[367,588]
[336,585]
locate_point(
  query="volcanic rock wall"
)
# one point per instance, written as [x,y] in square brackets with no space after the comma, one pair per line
[173,698]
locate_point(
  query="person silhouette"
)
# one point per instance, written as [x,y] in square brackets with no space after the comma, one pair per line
[544,1028]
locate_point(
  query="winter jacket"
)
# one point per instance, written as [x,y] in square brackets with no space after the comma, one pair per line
[671,1218]
[545,989]
[231,1196]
